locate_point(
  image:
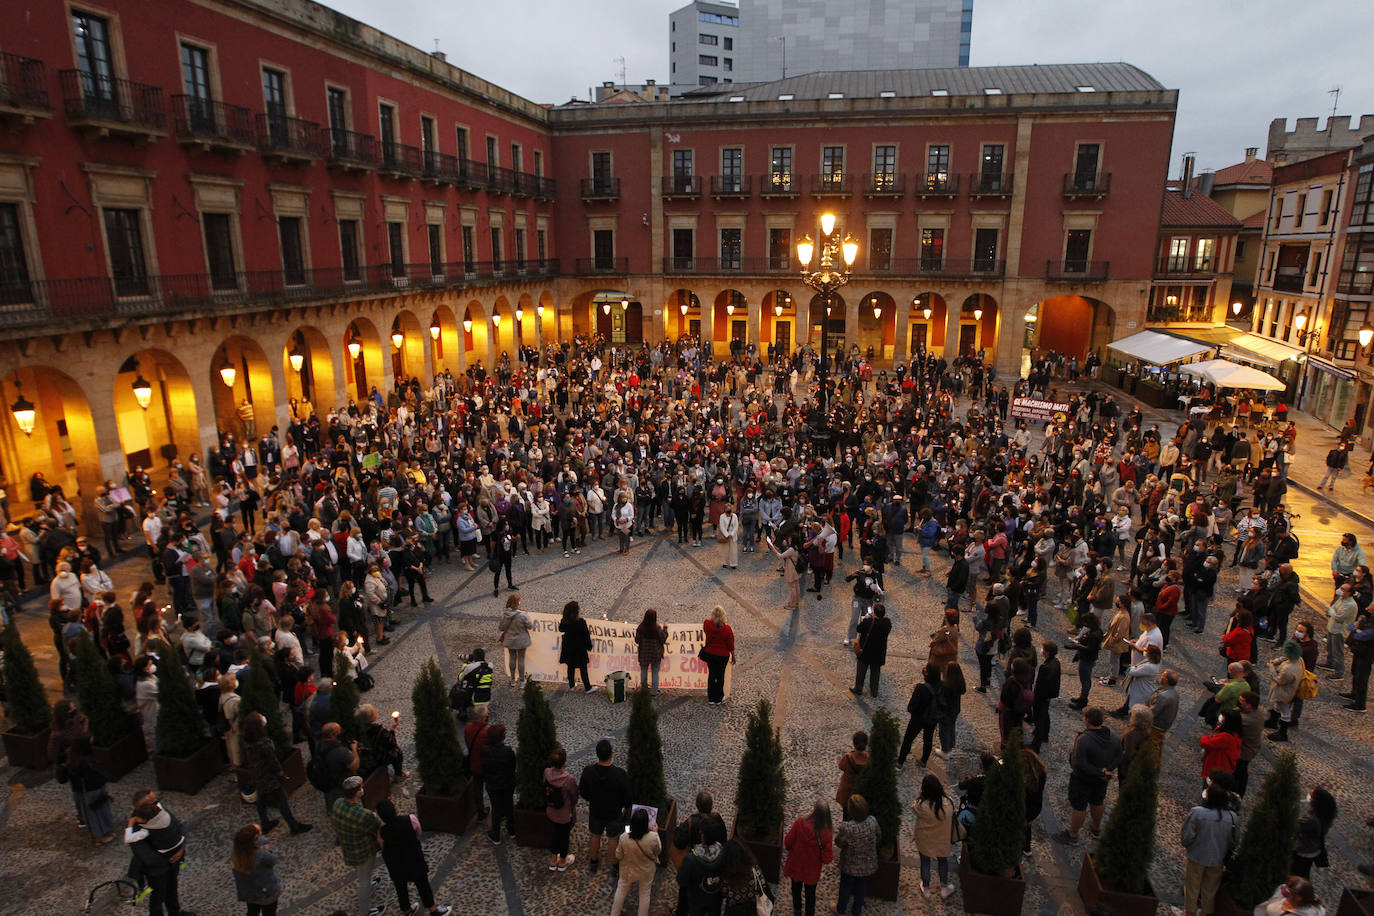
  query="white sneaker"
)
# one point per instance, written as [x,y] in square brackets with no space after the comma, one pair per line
[947,891]
[925,891]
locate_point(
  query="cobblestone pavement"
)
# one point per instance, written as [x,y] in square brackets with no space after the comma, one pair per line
[796,660]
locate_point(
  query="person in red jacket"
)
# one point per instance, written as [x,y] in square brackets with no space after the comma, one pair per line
[717,652]
[475,734]
[808,843]
[1221,748]
[1239,639]
[1166,605]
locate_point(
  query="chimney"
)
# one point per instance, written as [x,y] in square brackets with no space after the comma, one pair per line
[1204,182]
[608,84]
[438,55]
[649,82]
[1250,153]
[1188,160]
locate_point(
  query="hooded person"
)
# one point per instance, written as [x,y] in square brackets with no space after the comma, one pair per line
[700,873]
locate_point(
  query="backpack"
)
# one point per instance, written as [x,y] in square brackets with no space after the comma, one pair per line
[553,795]
[802,562]
[939,705]
[315,774]
[1307,687]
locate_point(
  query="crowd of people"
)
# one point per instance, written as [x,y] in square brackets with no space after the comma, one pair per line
[319,533]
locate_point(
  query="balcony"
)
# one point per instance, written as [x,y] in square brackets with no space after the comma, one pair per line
[601,188]
[884,184]
[113,107]
[438,168]
[832,185]
[938,184]
[1356,283]
[949,268]
[291,141]
[401,162]
[23,89]
[501,180]
[686,187]
[471,174]
[1288,280]
[545,188]
[528,184]
[730,186]
[351,151]
[212,126]
[600,266]
[1077,270]
[1185,269]
[714,266]
[780,184]
[1086,185]
[990,184]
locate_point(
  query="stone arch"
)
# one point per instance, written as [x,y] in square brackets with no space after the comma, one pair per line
[166,429]
[308,365]
[679,322]
[240,373]
[927,332]
[407,358]
[1071,325]
[777,326]
[476,333]
[619,316]
[526,322]
[979,319]
[816,314]
[582,320]
[363,354]
[729,319]
[546,314]
[444,344]
[61,446]
[876,325]
[502,339]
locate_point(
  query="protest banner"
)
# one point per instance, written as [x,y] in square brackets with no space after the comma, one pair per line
[1040,411]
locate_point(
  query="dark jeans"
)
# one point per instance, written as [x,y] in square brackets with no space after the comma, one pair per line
[496,576]
[1085,680]
[413,579]
[984,669]
[1360,665]
[861,668]
[558,845]
[262,909]
[855,886]
[715,677]
[572,680]
[502,809]
[1166,622]
[478,781]
[798,889]
[1040,715]
[163,887]
[402,885]
[1242,775]
[277,799]
[927,733]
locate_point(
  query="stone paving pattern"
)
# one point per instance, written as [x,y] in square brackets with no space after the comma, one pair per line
[796,660]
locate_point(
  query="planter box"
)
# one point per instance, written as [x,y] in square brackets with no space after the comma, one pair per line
[120,758]
[376,787]
[446,813]
[767,850]
[188,775]
[532,829]
[293,771]
[994,895]
[1121,904]
[28,752]
[1356,902]
[884,884]
[667,825]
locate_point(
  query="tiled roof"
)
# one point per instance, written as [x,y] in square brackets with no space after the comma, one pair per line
[1195,211]
[953,81]
[1254,220]
[1256,171]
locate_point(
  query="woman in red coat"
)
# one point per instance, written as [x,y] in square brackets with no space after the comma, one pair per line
[717,652]
[808,848]
[1239,639]
[1221,748]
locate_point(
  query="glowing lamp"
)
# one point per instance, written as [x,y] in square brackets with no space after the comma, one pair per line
[397,338]
[851,250]
[977,314]
[143,391]
[827,223]
[228,374]
[1236,307]
[605,308]
[777,310]
[927,312]
[1366,334]
[539,310]
[297,359]
[683,308]
[519,314]
[23,410]
[625,305]
[496,320]
[355,346]
[1032,318]
[805,249]
[467,324]
[1300,321]
[434,330]
[730,310]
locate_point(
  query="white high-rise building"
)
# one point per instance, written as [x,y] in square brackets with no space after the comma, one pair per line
[702,45]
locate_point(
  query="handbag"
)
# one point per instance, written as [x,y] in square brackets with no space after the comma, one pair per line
[857,647]
[702,653]
[763,895]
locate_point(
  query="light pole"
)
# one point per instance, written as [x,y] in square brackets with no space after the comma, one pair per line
[1306,338]
[832,272]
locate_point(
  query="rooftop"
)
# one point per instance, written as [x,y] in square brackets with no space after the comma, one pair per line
[1195,211]
[1254,171]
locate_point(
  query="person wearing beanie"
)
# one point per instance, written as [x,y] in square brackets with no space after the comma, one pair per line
[1285,676]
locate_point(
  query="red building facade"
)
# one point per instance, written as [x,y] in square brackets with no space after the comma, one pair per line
[225,211]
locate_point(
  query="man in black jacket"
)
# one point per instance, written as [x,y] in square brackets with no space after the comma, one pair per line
[704,827]
[1046,688]
[606,787]
[925,708]
[872,641]
[158,843]
[498,769]
[1095,756]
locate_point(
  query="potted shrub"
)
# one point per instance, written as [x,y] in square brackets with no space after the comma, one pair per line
[990,865]
[26,704]
[761,793]
[343,702]
[1117,874]
[117,744]
[186,758]
[877,783]
[536,736]
[258,695]
[1261,861]
[644,763]
[444,802]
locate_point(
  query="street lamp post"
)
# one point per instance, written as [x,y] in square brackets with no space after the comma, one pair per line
[836,256]
[1307,339]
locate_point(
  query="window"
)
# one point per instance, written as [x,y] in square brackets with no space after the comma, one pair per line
[985,249]
[436,249]
[730,249]
[684,248]
[718,19]
[539,163]
[1300,211]
[939,92]
[396,243]
[1202,256]
[350,250]
[732,170]
[517,157]
[519,249]
[887,94]
[682,170]
[932,249]
[1326,207]
[832,164]
[834,95]
[780,175]
[779,248]
[729,44]
[708,60]
[493,156]
[461,133]
[1240,249]
[601,173]
[292,250]
[1178,256]
[603,249]
[386,121]
[336,100]
[219,250]
[705,39]
[427,147]
[1315,274]
[274,100]
[880,249]
[706,80]
[1077,244]
[469,250]
[937,168]
[1278,211]
[124,235]
[94,61]
[1085,166]
[884,168]
[14,267]
[729,63]
[990,169]
[496,265]
[992,90]
[195,77]
[1362,211]
[1357,268]
[541,245]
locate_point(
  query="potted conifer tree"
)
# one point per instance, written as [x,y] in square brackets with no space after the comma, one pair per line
[258,695]
[117,744]
[536,736]
[445,801]
[877,783]
[343,709]
[1262,857]
[186,758]
[26,705]
[990,865]
[1117,874]
[644,763]
[761,793]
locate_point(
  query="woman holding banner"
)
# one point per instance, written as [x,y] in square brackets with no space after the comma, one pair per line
[717,651]
[575,646]
[651,638]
